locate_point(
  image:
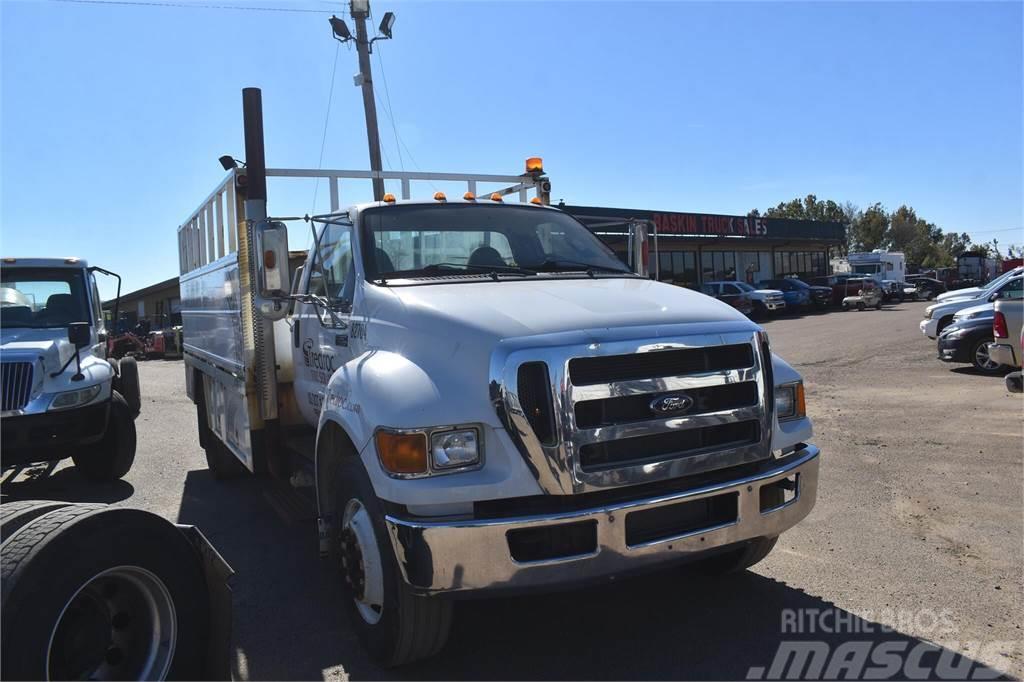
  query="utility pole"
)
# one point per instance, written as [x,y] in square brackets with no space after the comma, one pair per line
[360,10]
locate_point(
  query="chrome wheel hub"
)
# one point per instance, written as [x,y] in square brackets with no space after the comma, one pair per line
[361,562]
[982,357]
[120,625]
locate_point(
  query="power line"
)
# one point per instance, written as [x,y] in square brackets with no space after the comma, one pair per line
[1008,229]
[190,5]
[327,119]
[391,113]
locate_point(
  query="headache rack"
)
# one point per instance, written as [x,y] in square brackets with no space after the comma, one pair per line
[224,336]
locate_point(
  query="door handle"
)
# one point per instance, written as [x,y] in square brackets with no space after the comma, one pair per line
[295,333]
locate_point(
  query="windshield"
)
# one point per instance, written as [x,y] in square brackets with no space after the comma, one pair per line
[998,281]
[42,297]
[744,286]
[472,239]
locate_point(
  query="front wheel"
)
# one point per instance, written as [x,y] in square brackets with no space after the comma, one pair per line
[111,457]
[860,305]
[395,625]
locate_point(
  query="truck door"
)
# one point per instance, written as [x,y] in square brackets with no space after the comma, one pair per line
[320,334]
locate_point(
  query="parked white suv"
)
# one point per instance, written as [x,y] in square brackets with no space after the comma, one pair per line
[939,315]
[975,292]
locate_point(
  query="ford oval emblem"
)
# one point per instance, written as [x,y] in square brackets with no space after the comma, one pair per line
[670,404]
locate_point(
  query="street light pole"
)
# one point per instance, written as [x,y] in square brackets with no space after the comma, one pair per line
[360,11]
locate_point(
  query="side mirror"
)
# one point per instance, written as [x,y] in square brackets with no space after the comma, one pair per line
[271,248]
[79,334]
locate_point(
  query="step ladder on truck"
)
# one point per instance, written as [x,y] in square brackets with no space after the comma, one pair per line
[482,396]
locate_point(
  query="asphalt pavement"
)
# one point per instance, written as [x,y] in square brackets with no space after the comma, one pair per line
[918,528]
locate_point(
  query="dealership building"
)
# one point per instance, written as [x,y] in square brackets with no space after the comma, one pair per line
[691,248]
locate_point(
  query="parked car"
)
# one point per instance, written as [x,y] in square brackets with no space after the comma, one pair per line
[892,290]
[1007,326]
[844,285]
[765,300]
[731,294]
[967,341]
[821,296]
[975,291]
[940,314]
[926,288]
[796,294]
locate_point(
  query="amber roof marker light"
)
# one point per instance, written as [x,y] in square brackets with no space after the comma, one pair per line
[389,198]
[535,165]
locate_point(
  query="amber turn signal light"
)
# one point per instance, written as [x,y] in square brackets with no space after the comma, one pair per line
[402,453]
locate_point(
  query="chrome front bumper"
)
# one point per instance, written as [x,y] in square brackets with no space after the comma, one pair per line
[475,555]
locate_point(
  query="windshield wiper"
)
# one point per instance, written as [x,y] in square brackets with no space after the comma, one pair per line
[556,264]
[492,269]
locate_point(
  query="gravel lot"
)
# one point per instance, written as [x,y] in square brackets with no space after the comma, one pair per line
[919,518]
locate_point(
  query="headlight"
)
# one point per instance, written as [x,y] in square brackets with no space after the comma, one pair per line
[453,449]
[789,401]
[927,313]
[82,396]
[405,454]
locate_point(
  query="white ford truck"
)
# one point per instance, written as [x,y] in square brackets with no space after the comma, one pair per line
[482,396]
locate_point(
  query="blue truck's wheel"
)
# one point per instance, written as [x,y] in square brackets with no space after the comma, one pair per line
[395,625]
[111,457]
[128,384]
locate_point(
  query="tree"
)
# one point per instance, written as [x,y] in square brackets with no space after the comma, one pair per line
[868,231]
[808,208]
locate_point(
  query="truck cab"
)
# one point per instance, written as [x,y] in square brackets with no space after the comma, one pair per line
[61,396]
[483,399]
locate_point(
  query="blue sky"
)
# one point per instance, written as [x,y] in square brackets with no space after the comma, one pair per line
[113,116]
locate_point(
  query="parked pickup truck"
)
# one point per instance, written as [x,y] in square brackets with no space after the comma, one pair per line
[1007,321]
[483,397]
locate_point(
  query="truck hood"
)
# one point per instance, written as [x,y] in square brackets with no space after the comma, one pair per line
[514,308]
[969,292]
[22,344]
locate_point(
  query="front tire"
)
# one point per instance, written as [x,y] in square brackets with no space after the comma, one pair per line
[748,554]
[395,625]
[112,457]
[860,305]
[943,323]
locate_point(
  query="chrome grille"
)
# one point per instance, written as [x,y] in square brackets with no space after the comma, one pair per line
[16,383]
[607,431]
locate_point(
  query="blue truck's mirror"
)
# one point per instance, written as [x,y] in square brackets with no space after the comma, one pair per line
[79,334]
[273,280]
